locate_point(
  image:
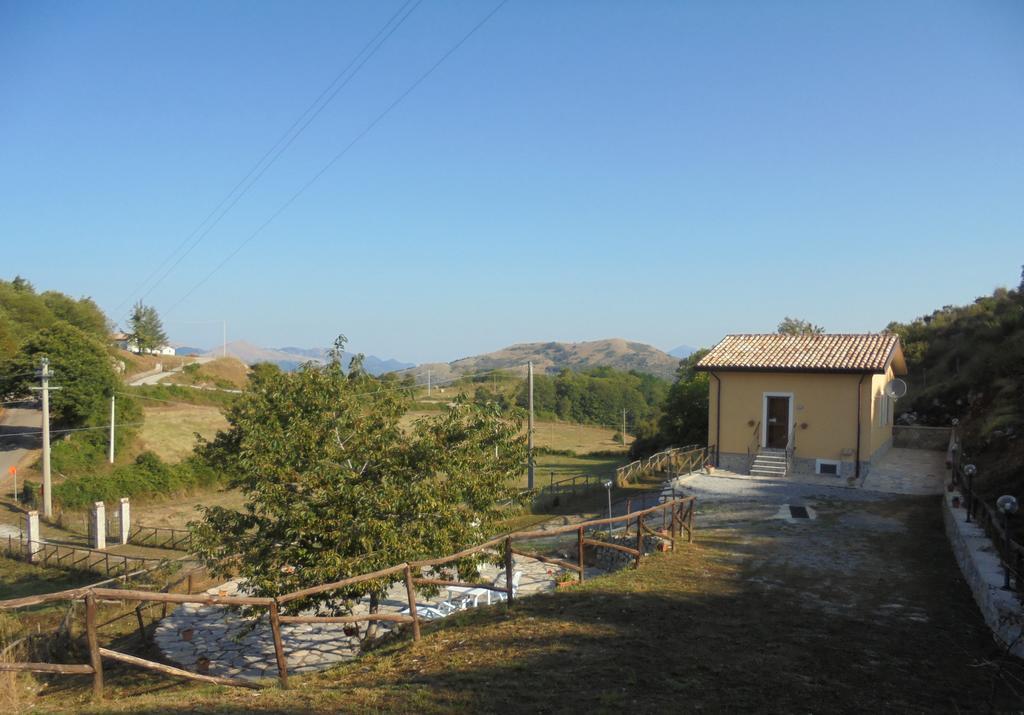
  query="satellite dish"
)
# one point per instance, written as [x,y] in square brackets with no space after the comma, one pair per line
[896,388]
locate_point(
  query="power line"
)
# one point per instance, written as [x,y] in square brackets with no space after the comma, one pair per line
[343,152]
[304,119]
[66,431]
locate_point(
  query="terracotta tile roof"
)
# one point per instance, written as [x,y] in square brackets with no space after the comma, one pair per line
[867,352]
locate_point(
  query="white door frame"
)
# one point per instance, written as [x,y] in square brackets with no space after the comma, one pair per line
[764,417]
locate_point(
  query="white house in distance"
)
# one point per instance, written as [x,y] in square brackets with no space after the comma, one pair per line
[123,341]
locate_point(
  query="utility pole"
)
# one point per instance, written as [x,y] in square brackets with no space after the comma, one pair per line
[44,376]
[623,426]
[529,431]
[110,454]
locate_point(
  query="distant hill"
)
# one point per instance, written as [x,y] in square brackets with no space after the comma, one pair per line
[682,351]
[187,351]
[554,357]
[290,358]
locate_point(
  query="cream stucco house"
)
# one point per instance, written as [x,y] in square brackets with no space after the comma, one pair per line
[805,403]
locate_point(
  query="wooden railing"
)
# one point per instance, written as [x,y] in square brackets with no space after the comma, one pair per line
[677,516]
[75,558]
[676,460]
[161,537]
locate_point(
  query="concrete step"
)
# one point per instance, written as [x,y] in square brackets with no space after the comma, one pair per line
[770,460]
[770,470]
[765,473]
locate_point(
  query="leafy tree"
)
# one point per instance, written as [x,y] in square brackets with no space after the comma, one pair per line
[146,330]
[83,313]
[334,487]
[81,368]
[795,326]
[22,285]
[684,417]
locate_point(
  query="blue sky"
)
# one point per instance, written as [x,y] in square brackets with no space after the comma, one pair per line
[666,172]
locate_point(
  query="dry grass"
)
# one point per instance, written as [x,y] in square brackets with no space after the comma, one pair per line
[170,430]
[143,363]
[226,372]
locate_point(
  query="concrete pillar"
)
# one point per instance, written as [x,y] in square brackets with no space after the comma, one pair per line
[125,520]
[34,544]
[99,526]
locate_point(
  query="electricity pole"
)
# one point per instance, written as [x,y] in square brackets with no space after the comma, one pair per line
[623,426]
[428,383]
[44,376]
[110,455]
[529,430]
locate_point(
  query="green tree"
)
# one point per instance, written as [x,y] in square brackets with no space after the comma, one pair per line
[145,328]
[81,367]
[334,487]
[796,326]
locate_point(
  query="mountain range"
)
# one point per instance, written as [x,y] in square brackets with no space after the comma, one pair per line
[290,358]
[553,357]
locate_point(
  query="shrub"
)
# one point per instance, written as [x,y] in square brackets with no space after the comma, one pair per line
[148,476]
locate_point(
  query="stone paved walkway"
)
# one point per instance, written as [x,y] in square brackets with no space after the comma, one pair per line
[900,471]
[218,641]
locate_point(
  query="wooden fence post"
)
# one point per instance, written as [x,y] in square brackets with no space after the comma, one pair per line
[410,593]
[674,527]
[689,534]
[579,544]
[94,648]
[508,568]
[275,629]
[142,623]
[639,542]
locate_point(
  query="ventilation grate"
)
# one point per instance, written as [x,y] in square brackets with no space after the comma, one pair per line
[799,512]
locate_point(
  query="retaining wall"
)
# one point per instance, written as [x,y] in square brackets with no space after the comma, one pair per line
[614,560]
[983,572]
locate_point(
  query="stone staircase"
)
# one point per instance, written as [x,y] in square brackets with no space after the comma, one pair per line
[769,463]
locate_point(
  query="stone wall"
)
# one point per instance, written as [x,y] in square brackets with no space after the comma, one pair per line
[614,560]
[983,572]
[734,462]
[920,437]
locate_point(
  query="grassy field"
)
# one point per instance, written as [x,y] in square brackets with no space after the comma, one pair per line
[169,430]
[581,439]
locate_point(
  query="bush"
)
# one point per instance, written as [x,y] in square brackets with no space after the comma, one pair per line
[148,476]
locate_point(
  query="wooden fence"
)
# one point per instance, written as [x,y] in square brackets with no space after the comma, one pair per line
[676,460]
[676,519]
[76,558]
[160,537]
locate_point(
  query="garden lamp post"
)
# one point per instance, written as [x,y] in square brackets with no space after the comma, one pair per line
[1007,505]
[969,471]
[608,486]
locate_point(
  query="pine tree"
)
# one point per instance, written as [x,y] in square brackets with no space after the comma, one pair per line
[147,332]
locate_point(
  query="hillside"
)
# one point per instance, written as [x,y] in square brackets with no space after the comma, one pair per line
[967,363]
[553,357]
[290,358]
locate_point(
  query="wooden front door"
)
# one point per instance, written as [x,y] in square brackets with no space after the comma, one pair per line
[777,420]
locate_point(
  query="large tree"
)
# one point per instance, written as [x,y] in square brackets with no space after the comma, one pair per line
[145,328]
[796,326]
[335,487]
[80,366]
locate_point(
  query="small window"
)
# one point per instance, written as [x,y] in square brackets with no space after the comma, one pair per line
[827,466]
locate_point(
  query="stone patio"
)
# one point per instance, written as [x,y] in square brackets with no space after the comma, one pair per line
[222,642]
